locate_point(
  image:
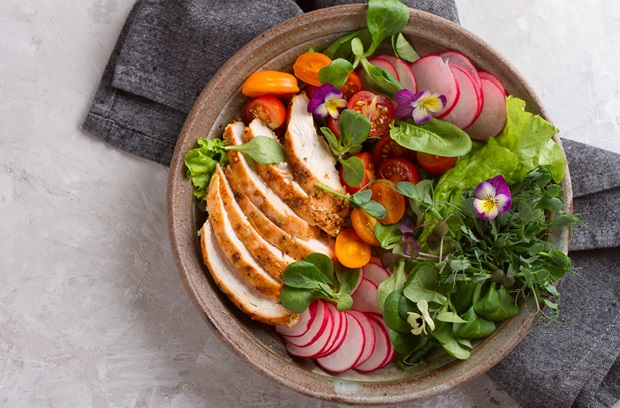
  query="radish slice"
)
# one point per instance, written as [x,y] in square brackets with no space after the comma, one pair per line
[314,348]
[305,321]
[469,105]
[375,273]
[494,79]
[365,297]
[405,75]
[492,118]
[369,332]
[456,59]
[384,65]
[347,355]
[317,327]
[432,73]
[339,332]
[384,351]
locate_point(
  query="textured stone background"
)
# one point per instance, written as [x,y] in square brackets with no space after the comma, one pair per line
[92,310]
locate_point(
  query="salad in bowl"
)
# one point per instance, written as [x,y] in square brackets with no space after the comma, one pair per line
[371,207]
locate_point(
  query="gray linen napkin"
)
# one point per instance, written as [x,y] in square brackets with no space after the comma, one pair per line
[168,50]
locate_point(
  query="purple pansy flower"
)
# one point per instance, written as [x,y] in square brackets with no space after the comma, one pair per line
[327,101]
[492,198]
[419,106]
[406,226]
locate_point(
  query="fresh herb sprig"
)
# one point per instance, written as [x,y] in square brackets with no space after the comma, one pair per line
[362,199]
[316,278]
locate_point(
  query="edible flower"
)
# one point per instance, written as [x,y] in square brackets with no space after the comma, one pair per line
[327,101]
[419,106]
[418,321]
[492,198]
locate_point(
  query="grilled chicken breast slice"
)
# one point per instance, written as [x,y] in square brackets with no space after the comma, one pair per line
[311,161]
[292,246]
[238,289]
[246,181]
[272,259]
[234,249]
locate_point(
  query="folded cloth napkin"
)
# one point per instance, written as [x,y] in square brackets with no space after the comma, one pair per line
[168,50]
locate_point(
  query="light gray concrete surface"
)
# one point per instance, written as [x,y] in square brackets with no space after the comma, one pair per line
[92,310]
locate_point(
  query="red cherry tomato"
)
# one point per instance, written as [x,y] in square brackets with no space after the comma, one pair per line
[377,108]
[369,173]
[397,169]
[310,90]
[352,86]
[334,126]
[387,148]
[267,108]
[435,164]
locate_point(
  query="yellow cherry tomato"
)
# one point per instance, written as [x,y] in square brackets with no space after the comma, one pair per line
[364,225]
[276,83]
[307,67]
[350,250]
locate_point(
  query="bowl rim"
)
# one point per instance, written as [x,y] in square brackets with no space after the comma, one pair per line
[235,335]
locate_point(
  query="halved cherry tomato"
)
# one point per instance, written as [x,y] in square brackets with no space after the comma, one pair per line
[276,83]
[267,108]
[352,86]
[387,148]
[397,169]
[334,126]
[377,108]
[369,173]
[307,67]
[364,225]
[384,192]
[350,250]
[435,164]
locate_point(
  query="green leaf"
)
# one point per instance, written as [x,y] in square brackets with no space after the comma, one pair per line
[476,326]
[261,149]
[424,286]
[449,317]
[353,170]
[344,302]
[443,334]
[341,48]
[408,190]
[347,278]
[297,300]
[336,73]
[391,314]
[387,235]
[324,264]
[357,47]
[395,282]
[374,209]
[405,343]
[201,163]
[385,18]
[496,305]
[332,140]
[402,48]
[552,204]
[354,128]
[303,275]
[433,137]
[361,197]
[380,80]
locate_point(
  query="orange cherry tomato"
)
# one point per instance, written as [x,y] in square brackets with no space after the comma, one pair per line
[364,225]
[435,164]
[307,67]
[267,108]
[384,192]
[353,85]
[397,169]
[350,250]
[276,83]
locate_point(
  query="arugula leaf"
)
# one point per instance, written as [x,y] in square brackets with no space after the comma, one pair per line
[261,149]
[433,137]
[201,163]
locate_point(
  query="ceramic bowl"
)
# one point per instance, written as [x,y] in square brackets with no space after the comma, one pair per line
[219,103]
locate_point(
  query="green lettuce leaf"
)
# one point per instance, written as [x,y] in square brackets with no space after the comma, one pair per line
[201,163]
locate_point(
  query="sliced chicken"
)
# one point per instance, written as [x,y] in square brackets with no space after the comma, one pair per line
[280,179]
[311,161]
[246,181]
[233,247]
[294,247]
[272,259]
[238,289]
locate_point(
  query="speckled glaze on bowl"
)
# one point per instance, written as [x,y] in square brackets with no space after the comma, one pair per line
[219,103]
